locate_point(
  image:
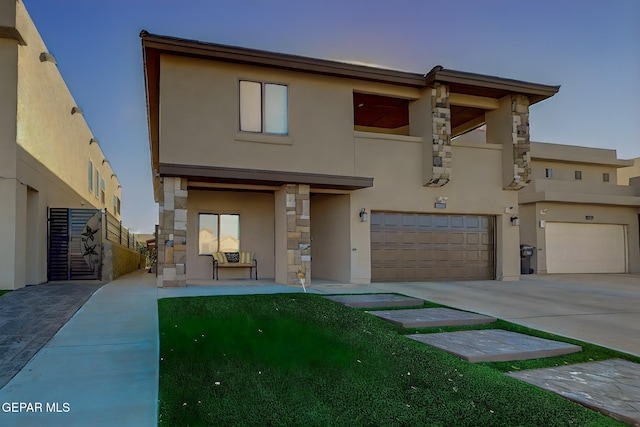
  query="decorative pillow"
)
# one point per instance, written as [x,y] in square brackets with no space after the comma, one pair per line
[232,256]
[219,256]
[246,257]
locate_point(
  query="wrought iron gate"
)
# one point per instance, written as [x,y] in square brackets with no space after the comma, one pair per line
[75,244]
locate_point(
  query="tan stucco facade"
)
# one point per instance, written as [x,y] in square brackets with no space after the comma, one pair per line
[46,146]
[300,194]
[579,185]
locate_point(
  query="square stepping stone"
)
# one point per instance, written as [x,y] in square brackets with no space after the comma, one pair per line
[611,386]
[495,345]
[376,300]
[432,317]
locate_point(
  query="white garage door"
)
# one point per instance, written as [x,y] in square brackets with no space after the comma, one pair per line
[585,248]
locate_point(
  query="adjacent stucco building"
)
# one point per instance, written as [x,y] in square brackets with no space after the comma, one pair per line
[49,157]
[576,213]
[347,172]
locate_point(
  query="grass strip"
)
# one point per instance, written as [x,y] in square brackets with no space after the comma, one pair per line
[299,359]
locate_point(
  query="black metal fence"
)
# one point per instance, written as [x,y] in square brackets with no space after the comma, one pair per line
[117,233]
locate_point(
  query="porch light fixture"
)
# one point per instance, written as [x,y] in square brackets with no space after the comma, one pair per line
[47,57]
[515,221]
[363,215]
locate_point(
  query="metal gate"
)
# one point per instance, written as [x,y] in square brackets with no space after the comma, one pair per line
[74,244]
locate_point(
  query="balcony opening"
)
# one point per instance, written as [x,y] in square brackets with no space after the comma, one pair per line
[380,114]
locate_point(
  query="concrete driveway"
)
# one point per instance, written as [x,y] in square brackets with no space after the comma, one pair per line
[599,308]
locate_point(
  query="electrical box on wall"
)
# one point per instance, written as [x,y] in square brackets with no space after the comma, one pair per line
[542,223]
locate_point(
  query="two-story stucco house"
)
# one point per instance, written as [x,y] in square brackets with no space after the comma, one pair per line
[346,172]
[577,215]
[48,155]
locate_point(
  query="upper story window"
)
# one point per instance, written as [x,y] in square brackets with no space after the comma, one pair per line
[605,177]
[548,173]
[102,192]
[90,176]
[578,175]
[264,107]
[381,114]
[97,184]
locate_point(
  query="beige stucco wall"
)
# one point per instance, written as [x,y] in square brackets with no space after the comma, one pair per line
[197,128]
[624,174]
[533,234]
[256,212]
[45,151]
[475,188]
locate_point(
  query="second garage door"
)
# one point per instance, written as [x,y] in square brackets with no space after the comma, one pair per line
[425,247]
[585,248]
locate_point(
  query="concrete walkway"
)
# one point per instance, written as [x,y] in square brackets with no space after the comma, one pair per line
[31,316]
[100,369]
[602,309]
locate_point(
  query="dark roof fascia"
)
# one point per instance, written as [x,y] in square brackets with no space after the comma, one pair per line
[535,90]
[263,177]
[193,48]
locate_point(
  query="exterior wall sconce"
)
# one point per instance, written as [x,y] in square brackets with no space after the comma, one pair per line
[47,57]
[363,215]
[543,211]
[105,161]
[119,186]
[515,221]
[76,110]
[92,141]
[113,174]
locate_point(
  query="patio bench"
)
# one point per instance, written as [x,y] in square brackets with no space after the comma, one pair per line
[234,260]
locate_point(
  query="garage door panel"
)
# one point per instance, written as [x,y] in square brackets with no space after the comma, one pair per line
[415,247]
[585,248]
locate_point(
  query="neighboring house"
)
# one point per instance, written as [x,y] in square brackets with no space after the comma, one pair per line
[345,171]
[49,157]
[576,214]
[626,174]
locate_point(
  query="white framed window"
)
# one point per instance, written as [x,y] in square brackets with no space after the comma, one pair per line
[115,204]
[264,107]
[97,192]
[102,191]
[90,176]
[548,173]
[218,233]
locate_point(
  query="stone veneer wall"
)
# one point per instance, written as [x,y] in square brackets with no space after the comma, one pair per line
[440,135]
[172,233]
[298,232]
[521,143]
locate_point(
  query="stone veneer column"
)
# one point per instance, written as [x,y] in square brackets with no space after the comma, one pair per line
[440,135]
[521,143]
[298,232]
[172,233]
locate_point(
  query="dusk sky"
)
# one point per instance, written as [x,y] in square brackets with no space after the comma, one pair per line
[591,48]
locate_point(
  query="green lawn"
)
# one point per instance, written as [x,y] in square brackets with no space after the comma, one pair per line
[301,360]
[3,292]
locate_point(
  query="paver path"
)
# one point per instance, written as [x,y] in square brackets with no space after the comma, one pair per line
[431,317]
[610,386]
[376,300]
[30,317]
[495,345]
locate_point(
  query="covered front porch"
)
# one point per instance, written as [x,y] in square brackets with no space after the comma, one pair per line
[277,225]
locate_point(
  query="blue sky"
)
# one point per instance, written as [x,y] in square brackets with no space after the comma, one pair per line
[591,48]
